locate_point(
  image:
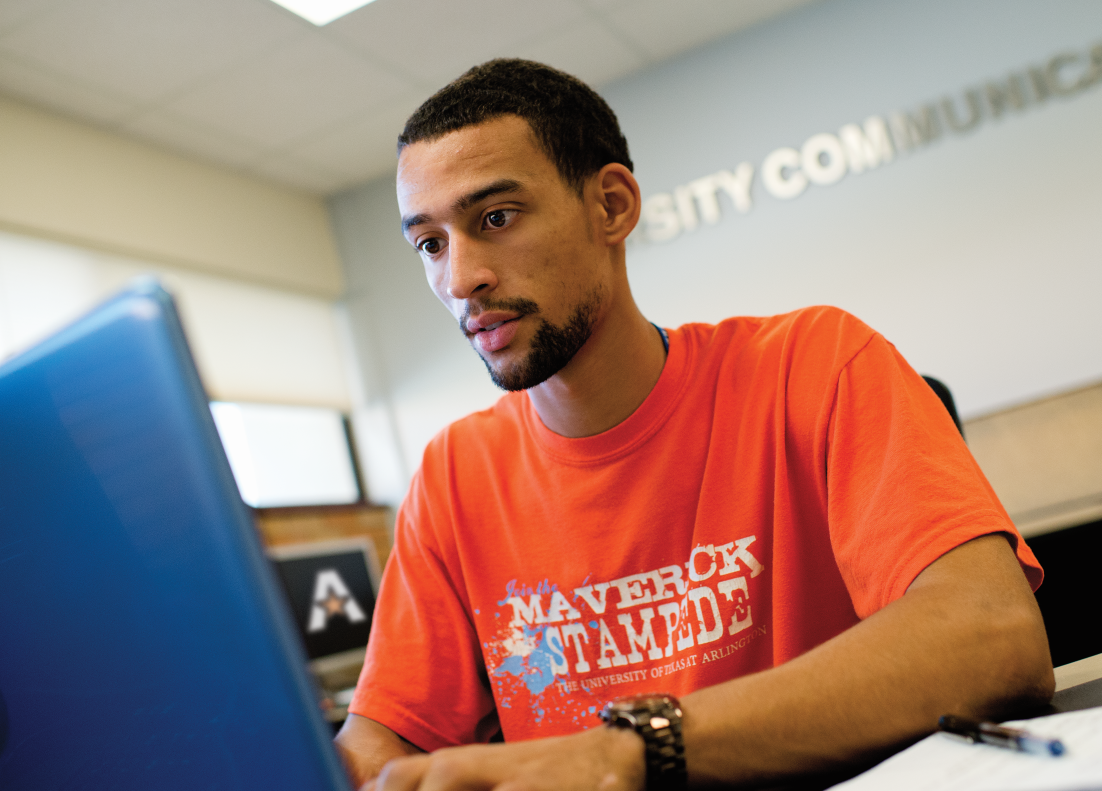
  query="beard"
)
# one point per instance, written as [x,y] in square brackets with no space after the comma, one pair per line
[552,346]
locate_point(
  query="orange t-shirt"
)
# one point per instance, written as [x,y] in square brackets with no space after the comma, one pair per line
[786,477]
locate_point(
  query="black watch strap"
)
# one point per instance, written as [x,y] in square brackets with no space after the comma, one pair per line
[657,720]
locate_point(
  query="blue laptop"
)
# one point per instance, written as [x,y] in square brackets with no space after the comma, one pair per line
[144,639]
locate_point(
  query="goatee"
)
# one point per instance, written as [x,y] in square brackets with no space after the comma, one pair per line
[552,347]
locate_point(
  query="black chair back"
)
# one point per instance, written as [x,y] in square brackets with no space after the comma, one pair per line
[946,398]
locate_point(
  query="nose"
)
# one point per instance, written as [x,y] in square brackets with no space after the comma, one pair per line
[468,273]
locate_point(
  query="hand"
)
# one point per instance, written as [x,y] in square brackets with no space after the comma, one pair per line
[607,759]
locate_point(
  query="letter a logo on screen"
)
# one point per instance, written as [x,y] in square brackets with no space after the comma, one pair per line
[332,597]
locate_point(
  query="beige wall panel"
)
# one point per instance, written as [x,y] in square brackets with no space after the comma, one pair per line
[251,342]
[64,180]
[1044,459]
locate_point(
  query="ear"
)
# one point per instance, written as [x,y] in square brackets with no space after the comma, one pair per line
[619,198]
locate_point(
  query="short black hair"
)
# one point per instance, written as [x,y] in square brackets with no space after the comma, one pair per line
[575,127]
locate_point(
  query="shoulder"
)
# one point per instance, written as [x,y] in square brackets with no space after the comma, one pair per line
[464,449]
[479,434]
[820,333]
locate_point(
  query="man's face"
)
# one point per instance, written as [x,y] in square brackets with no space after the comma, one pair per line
[508,247]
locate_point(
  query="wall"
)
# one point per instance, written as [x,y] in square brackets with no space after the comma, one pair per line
[63,180]
[253,265]
[251,342]
[977,254]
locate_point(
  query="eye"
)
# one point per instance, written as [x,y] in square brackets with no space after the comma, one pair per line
[498,218]
[431,246]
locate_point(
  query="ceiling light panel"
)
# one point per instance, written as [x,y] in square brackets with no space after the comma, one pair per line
[321,12]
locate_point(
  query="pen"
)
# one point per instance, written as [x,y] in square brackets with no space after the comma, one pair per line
[997,735]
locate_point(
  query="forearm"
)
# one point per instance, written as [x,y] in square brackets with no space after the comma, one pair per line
[366,746]
[967,638]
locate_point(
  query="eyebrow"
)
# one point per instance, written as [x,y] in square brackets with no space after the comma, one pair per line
[465,202]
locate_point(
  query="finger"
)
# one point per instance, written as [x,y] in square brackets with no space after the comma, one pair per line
[462,769]
[549,780]
[403,774]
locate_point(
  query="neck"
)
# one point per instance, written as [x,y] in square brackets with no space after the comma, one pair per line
[608,378]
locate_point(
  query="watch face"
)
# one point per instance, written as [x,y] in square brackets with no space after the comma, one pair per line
[634,702]
[657,719]
[637,707]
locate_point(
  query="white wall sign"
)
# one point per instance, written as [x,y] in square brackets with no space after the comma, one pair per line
[826,158]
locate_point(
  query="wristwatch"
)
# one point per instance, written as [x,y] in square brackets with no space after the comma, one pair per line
[657,719]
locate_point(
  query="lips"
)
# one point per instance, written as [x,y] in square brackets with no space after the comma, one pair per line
[497,335]
[495,324]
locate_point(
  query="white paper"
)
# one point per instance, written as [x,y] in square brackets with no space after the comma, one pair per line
[947,763]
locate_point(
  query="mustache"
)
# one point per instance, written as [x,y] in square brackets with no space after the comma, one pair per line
[518,305]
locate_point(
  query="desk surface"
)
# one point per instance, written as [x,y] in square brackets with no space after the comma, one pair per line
[1083,696]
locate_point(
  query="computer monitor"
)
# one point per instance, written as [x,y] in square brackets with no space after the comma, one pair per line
[144,639]
[330,587]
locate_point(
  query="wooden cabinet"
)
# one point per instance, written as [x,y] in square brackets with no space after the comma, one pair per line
[282,526]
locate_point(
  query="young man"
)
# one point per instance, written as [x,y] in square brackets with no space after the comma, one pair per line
[773,519]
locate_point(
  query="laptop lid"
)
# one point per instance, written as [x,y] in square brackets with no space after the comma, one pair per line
[144,642]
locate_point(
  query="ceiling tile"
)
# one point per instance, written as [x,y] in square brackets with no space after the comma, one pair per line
[246,84]
[298,90]
[62,95]
[148,49]
[589,51]
[363,148]
[664,29]
[301,175]
[185,137]
[435,41]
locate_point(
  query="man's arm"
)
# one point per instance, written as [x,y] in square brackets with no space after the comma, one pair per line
[366,746]
[967,638]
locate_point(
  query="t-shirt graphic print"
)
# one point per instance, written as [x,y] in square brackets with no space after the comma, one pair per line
[644,627]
